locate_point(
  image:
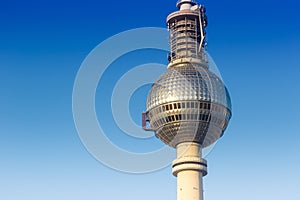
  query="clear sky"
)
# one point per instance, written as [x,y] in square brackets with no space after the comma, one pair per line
[256,45]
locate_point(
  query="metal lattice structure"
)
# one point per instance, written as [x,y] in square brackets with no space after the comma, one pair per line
[187,32]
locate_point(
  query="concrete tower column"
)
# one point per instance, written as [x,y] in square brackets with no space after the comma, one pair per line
[189,168]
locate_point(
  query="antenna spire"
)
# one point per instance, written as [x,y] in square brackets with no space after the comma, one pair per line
[185,4]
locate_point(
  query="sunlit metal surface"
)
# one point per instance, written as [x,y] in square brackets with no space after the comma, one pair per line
[188,103]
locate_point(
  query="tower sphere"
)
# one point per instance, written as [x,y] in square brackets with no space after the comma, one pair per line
[188,103]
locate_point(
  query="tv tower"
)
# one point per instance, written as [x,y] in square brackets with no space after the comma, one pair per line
[188,107]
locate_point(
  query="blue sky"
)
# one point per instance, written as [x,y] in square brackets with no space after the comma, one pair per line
[256,45]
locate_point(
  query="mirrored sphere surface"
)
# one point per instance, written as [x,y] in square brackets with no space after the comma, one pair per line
[188,103]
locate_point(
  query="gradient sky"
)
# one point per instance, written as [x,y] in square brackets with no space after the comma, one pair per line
[256,45]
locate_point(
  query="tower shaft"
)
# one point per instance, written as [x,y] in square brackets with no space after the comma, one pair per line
[189,185]
[189,168]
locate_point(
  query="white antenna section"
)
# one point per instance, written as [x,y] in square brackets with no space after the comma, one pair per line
[185,4]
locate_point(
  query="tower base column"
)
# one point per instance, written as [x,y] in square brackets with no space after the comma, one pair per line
[189,168]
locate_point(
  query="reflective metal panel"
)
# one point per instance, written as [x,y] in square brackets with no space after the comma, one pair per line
[188,103]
